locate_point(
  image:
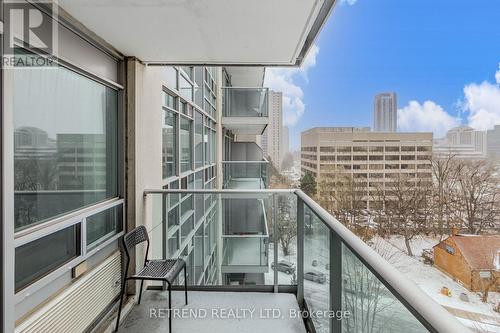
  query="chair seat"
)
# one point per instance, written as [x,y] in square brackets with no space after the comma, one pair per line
[161,270]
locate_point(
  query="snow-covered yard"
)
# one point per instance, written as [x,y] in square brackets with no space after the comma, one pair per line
[479,316]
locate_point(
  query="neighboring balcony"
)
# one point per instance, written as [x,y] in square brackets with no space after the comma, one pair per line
[327,270]
[245,174]
[245,111]
[245,240]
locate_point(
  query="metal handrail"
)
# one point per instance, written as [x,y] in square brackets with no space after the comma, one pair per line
[433,316]
[245,162]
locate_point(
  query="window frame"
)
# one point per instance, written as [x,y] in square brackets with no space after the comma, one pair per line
[65,220]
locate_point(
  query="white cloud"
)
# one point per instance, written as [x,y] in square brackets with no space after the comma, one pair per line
[482,103]
[426,117]
[348,2]
[284,80]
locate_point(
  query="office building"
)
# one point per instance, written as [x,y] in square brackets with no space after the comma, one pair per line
[385,113]
[462,142]
[145,117]
[371,159]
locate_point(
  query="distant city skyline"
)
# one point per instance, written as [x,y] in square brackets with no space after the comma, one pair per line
[445,73]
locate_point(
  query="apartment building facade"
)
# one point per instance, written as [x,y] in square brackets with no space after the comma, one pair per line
[272,139]
[385,113]
[372,159]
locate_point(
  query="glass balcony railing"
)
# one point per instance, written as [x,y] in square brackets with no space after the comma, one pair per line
[245,102]
[245,174]
[283,240]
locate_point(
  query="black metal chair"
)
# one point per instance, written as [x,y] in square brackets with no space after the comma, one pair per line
[154,270]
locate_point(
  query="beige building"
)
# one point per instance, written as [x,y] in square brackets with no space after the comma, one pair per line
[373,159]
[463,142]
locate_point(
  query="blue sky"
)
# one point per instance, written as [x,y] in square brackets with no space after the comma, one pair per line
[439,56]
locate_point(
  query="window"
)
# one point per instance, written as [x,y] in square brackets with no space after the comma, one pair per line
[173,243]
[103,225]
[169,146]
[186,228]
[171,77]
[40,257]
[186,147]
[185,88]
[170,101]
[173,217]
[198,139]
[65,143]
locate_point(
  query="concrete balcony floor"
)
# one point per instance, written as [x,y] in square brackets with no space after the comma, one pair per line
[210,311]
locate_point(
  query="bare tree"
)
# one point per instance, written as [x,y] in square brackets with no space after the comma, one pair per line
[342,195]
[478,195]
[406,203]
[287,223]
[445,172]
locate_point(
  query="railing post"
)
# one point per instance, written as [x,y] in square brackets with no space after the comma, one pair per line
[335,281]
[275,241]
[300,252]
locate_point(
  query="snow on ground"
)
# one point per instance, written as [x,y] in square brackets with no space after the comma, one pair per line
[481,316]
[430,280]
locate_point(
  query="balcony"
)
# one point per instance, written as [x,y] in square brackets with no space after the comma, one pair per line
[245,174]
[245,110]
[356,287]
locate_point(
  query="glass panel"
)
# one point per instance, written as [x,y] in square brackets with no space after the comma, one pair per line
[186,228]
[198,139]
[38,258]
[198,92]
[245,102]
[316,268]
[174,198]
[170,101]
[244,219]
[65,143]
[171,77]
[104,225]
[370,303]
[169,146]
[185,88]
[173,244]
[198,254]
[173,217]
[186,146]
[247,175]
[245,251]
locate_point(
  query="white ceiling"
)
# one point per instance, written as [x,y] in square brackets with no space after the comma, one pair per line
[218,32]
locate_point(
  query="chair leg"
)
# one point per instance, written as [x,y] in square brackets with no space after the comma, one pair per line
[140,292]
[185,286]
[169,308]
[122,293]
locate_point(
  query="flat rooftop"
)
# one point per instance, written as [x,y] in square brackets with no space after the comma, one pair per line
[214,311]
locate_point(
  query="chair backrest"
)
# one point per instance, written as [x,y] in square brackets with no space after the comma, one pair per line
[134,237]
